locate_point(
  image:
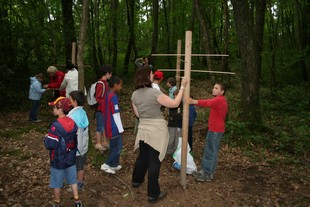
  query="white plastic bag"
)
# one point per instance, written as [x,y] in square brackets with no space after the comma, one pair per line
[191,166]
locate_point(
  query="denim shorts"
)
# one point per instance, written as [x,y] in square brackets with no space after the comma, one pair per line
[80,162]
[57,177]
[99,121]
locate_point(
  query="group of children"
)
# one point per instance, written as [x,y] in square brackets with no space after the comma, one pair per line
[67,138]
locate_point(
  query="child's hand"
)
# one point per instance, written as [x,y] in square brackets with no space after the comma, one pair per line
[188,100]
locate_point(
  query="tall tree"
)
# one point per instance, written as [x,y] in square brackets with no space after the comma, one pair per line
[250,62]
[130,5]
[114,11]
[68,27]
[81,43]
[155,28]
[206,31]
[302,34]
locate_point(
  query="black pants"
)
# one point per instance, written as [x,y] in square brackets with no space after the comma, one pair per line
[147,161]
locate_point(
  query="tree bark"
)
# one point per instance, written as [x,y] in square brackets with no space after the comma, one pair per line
[114,8]
[206,31]
[250,63]
[155,29]
[81,43]
[68,27]
[224,62]
[130,5]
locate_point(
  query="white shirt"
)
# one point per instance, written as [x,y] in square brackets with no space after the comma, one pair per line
[155,85]
[70,82]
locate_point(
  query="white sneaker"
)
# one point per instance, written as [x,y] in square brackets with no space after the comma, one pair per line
[118,167]
[107,169]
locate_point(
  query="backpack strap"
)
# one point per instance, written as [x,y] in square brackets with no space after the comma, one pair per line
[103,87]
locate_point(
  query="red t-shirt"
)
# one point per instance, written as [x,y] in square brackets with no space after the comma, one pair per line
[218,110]
[100,94]
[56,80]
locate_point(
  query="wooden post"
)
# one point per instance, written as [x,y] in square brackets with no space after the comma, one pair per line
[178,63]
[73,53]
[187,74]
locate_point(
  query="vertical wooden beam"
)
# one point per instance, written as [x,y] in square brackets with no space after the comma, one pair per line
[178,63]
[187,74]
[73,53]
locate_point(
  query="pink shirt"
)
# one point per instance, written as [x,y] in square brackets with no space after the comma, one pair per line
[218,110]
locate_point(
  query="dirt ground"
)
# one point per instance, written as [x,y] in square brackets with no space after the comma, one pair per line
[238,181]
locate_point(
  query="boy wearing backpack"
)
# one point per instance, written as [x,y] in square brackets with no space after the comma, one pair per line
[80,118]
[102,89]
[61,141]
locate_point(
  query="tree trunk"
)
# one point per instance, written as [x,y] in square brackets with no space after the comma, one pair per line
[131,27]
[155,29]
[206,32]
[224,62]
[301,34]
[81,43]
[68,27]
[168,44]
[114,8]
[250,63]
[259,29]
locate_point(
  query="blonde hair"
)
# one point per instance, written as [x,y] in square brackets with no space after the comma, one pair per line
[52,69]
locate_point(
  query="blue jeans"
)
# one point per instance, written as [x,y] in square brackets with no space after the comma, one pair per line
[116,147]
[211,151]
[35,105]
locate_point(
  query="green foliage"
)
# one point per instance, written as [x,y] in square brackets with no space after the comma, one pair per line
[286,123]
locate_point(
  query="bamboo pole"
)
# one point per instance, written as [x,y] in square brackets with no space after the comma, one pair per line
[199,55]
[203,71]
[178,63]
[187,74]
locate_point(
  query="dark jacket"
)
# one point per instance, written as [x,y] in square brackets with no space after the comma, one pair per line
[61,140]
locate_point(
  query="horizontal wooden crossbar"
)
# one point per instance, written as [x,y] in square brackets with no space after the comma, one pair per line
[208,55]
[201,71]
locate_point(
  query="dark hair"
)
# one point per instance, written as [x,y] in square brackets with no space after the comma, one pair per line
[40,76]
[223,88]
[77,96]
[142,78]
[70,66]
[114,80]
[104,69]
[172,81]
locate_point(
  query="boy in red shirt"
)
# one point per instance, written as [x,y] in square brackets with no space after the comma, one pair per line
[216,128]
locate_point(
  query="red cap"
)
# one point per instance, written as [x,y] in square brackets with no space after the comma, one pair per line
[158,75]
[62,102]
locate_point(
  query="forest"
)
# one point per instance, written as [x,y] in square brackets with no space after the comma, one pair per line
[267,43]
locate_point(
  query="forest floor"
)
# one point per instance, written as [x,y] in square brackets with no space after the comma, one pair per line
[240,180]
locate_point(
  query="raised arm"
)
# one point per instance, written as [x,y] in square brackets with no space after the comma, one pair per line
[172,103]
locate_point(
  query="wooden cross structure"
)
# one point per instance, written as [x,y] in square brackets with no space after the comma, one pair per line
[187,73]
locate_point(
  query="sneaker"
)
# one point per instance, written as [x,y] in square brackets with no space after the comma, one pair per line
[107,169]
[78,204]
[197,173]
[100,147]
[118,167]
[37,121]
[154,200]
[204,177]
[56,205]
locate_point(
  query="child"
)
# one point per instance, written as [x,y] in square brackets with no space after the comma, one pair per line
[113,127]
[174,126]
[35,94]
[216,124]
[158,78]
[191,122]
[171,84]
[61,140]
[79,116]
[100,94]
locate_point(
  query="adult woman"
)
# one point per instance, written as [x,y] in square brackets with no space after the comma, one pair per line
[56,78]
[71,80]
[152,137]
